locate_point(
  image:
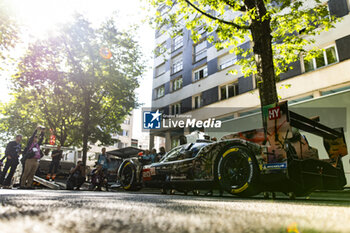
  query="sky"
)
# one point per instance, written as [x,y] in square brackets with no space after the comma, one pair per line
[39,17]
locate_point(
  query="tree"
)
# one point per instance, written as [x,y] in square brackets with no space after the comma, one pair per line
[81,81]
[280,32]
[27,109]
[8,30]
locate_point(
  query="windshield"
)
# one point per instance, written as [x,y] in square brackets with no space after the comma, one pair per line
[171,154]
[183,152]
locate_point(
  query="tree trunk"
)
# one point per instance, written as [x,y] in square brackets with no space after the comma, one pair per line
[86,131]
[85,145]
[261,34]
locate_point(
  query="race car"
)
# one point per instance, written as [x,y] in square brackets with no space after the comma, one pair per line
[276,158]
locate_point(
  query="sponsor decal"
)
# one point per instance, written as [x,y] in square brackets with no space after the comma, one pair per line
[272,166]
[153,171]
[274,113]
[146,174]
[179,177]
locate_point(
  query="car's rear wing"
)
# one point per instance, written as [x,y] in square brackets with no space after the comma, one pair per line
[312,126]
[278,121]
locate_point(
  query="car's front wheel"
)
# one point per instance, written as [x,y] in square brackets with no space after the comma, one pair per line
[238,172]
[128,177]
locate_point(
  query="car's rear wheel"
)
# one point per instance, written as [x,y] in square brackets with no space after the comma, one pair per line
[128,177]
[238,172]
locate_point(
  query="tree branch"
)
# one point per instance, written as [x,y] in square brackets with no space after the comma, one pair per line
[215,18]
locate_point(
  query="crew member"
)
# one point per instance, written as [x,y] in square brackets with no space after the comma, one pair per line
[12,151]
[31,158]
[77,177]
[103,160]
[55,163]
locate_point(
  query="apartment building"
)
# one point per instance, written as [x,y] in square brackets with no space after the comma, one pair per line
[124,137]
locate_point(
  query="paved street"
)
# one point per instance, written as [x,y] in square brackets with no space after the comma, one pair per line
[69,211]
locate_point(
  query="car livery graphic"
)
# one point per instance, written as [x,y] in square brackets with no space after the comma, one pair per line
[275,158]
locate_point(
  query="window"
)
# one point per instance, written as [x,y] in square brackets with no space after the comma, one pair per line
[160,49]
[229,90]
[122,145]
[176,84]
[160,70]
[177,42]
[177,64]
[125,133]
[160,31]
[127,121]
[227,61]
[197,101]
[175,108]
[324,58]
[200,30]
[201,73]
[163,9]
[160,91]
[200,51]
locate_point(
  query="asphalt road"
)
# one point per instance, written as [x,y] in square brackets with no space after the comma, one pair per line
[50,211]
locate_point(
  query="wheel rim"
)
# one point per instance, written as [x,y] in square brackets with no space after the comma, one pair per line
[235,170]
[127,176]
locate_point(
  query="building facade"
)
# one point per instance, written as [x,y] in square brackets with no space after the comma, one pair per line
[193,78]
[124,137]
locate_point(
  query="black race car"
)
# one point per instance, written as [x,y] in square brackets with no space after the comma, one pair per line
[276,158]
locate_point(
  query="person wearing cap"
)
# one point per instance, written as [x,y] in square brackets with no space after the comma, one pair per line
[12,151]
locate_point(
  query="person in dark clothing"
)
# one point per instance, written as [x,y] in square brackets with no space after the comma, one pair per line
[77,177]
[98,178]
[55,162]
[183,140]
[161,153]
[12,151]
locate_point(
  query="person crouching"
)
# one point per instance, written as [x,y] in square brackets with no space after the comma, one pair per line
[98,178]
[77,177]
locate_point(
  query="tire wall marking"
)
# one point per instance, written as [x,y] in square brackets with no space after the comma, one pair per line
[241,189]
[127,187]
[229,151]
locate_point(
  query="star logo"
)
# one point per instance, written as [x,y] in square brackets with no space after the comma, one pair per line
[151,119]
[156,115]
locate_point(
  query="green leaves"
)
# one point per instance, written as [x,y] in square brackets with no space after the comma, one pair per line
[67,84]
[8,32]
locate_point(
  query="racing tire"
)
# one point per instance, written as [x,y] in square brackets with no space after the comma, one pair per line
[128,177]
[238,172]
